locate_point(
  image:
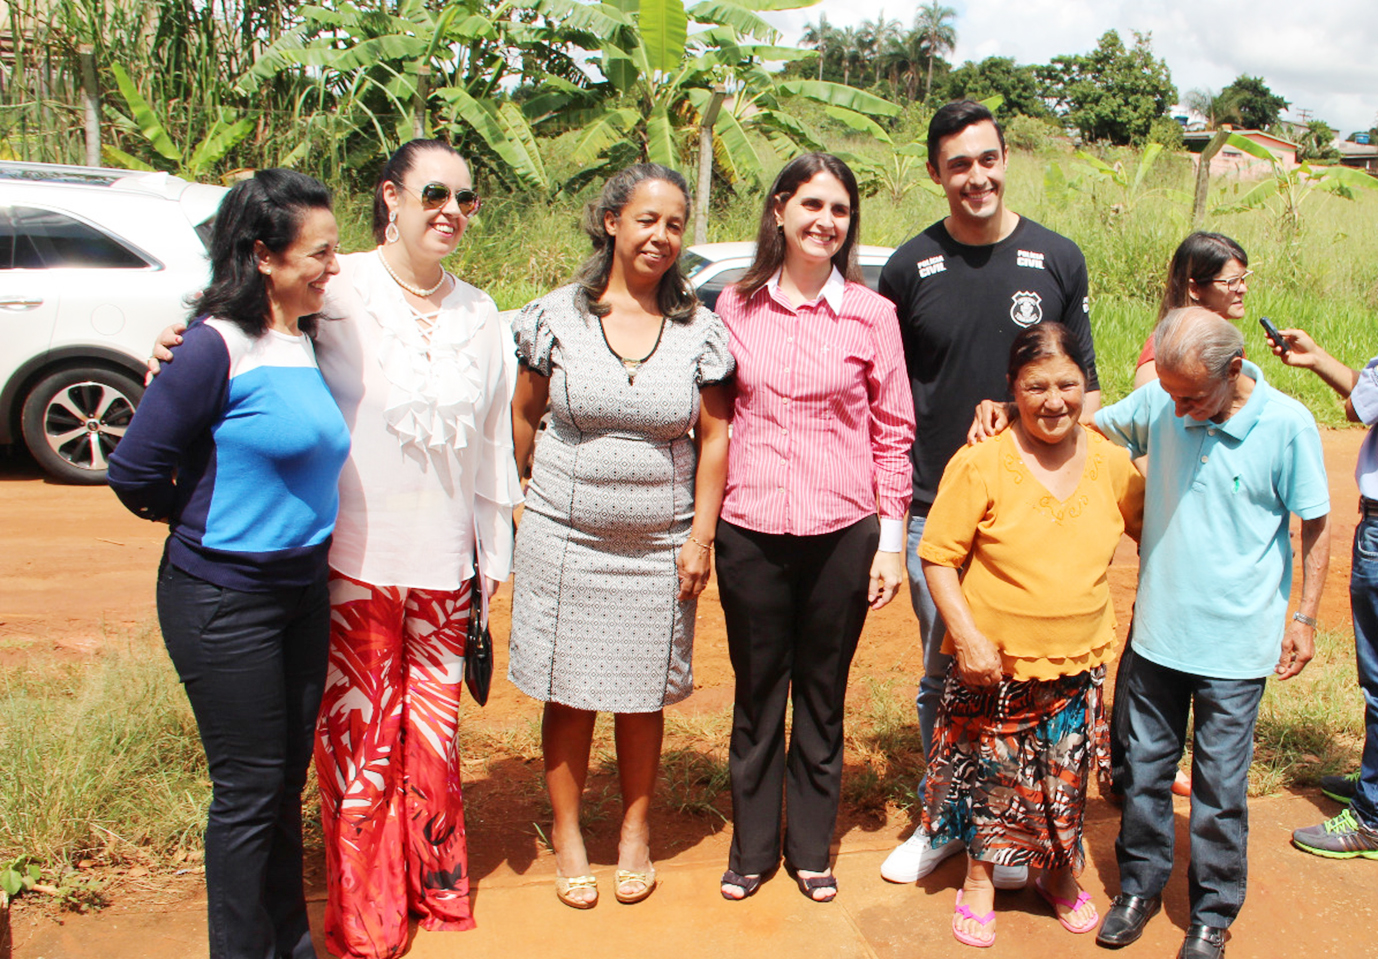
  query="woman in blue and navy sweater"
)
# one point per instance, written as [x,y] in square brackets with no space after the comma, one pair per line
[238,446]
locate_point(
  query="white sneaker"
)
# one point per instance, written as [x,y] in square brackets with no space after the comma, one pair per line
[916,857]
[1010,877]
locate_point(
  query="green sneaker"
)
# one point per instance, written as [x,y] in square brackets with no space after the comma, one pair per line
[1342,837]
[1341,788]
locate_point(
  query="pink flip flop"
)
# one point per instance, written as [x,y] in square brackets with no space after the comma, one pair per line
[1071,907]
[964,912]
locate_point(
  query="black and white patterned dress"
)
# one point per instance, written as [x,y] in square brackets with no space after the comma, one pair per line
[596,623]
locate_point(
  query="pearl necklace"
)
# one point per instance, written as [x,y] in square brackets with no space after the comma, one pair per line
[413,290]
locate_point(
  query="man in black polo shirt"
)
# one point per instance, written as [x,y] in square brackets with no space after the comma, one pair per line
[964,289]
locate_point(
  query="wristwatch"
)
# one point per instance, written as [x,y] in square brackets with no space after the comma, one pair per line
[1299,617]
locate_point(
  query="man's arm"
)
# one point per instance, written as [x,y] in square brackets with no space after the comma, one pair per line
[1299,639]
[1305,353]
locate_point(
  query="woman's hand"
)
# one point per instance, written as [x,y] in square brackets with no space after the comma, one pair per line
[695,562]
[991,418]
[978,661]
[162,349]
[887,576]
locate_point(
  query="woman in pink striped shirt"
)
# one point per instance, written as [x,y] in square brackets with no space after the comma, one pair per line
[811,533]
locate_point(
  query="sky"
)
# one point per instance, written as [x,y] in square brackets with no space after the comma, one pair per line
[1318,55]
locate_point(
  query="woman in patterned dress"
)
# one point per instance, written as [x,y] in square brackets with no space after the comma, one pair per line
[1033,516]
[615,539]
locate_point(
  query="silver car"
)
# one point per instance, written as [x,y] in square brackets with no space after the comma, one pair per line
[713,267]
[93,264]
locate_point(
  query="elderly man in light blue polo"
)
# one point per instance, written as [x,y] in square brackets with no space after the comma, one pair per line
[1229,460]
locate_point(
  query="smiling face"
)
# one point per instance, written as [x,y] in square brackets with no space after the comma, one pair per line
[970,167]
[649,231]
[426,236]
[297,276]
[1217,296]
[815,220]
[1049,393]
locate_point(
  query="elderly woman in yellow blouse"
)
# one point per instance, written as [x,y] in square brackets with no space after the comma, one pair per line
[1034,516]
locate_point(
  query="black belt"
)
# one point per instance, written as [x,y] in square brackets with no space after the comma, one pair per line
[1369,507]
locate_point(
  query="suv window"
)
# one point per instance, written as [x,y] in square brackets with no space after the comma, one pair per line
[708,293]
[35,239]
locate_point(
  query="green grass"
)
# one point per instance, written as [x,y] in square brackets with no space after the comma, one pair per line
[100,760]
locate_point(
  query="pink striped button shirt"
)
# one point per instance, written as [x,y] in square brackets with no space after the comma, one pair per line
[823,419]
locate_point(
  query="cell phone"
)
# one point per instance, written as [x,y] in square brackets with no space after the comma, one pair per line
[1273,333]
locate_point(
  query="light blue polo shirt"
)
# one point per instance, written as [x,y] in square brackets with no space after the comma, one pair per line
[1215,561]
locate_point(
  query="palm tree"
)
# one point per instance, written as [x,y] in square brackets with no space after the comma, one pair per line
[875,37]
[934,23]
[822,37]
[849,47]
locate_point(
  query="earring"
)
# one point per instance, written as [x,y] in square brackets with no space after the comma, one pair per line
[390,234]
[780,229]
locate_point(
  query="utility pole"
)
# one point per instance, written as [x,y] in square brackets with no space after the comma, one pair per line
[710,117]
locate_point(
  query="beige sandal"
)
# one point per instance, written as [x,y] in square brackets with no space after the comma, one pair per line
[647,881]
[563,888]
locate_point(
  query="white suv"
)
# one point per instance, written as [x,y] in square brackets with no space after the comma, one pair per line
[93,263]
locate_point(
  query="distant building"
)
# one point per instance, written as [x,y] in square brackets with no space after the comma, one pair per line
[1232,161]
[1363,156]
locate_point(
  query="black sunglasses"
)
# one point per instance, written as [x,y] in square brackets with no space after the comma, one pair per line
[435,195]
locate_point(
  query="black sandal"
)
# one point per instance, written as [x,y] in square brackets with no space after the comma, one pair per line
[808,886]
[747,884]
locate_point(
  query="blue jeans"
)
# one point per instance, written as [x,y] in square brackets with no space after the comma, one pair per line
[932,630]
[1157,702]
[1363,598]
[253,665]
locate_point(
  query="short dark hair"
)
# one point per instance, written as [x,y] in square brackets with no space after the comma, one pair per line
[267,208]
[955,117]
[397,167]
[770,241]
[1041,341]
[674,297]
[1200,257]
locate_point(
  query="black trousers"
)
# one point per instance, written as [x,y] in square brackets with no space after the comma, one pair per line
[253,665]
[794,607]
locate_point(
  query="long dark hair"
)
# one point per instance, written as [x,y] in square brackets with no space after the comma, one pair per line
[674,297]
[1200,257]
[397,167]
[770,240]
[267,208]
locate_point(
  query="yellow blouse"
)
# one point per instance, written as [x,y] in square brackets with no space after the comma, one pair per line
[1036,566]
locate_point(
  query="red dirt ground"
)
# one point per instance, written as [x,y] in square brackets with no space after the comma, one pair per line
[77,571]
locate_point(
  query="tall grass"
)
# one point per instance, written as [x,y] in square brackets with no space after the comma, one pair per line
[100,760]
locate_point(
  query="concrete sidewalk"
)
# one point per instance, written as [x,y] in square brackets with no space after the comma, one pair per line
[1298,905]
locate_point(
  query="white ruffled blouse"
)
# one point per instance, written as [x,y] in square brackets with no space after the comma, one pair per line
[431,429]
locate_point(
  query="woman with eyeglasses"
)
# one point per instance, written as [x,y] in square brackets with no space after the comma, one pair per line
[416,360]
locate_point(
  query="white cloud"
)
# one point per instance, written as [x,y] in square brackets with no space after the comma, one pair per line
[1318,55]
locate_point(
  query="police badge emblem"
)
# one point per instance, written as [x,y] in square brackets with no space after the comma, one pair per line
[1027,308]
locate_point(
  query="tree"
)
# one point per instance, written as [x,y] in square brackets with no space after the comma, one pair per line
[1318,142]
[933,24]
[875,36]
[999,75]
[823,37]
[1111,93]
[1249,101]
[1205,101]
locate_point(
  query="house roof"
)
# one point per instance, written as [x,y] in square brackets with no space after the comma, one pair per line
[1258,136]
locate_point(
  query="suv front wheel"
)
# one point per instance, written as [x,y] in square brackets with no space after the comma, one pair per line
[72,420]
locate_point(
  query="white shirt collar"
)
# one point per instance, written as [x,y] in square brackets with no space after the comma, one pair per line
[831,294]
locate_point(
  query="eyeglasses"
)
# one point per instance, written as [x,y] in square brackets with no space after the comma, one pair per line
[435,195]
[1233,283]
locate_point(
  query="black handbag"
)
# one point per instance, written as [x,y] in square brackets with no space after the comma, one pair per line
[478,646]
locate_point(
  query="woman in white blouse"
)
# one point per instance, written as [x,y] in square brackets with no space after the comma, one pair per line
[416,359]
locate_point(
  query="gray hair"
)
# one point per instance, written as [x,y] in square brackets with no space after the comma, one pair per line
[1194,334]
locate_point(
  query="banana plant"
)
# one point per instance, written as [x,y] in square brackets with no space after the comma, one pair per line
[1285,190]
[1127,186]
[417,71]
[224,133]
[659,77]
